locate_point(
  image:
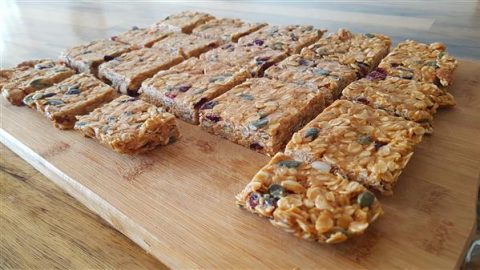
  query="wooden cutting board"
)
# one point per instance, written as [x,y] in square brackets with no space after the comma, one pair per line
[178,201]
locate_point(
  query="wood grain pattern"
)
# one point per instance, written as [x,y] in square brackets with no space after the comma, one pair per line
[44,228]
[177,202]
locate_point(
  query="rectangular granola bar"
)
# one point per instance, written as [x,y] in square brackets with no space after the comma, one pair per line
[255,58]
[261,113]
[186,45]
[183,90]
[129,125]
[86,58]
[359,143]
[31,76]
[289,38]
[226,29]
[77,95]
[141,37]
[421,62]
[329,76]
[127,72]
[183,22]
[304,199]
[412,100]
[362,52]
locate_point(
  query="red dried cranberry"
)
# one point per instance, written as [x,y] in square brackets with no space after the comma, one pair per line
[379,144]
[363,100]
[294,38]
[303,62]
[184,88]
[377,74]
[253,199]
[208,105]
[256,146]
[258,42]
[171,95]
[212,117]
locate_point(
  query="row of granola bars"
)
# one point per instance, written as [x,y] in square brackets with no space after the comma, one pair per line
[259,86]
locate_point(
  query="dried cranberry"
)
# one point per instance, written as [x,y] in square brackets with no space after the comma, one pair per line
[208,105]
[363,69]
[256,146]
[363,100]
[258,42]
[171,95]
[184,88]
[304,62]
[379,144]
[294,38]
[213,118]
[377,74]
[253,199]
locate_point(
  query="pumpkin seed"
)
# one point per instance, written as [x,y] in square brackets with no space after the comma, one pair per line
[432,63]
[38,83]
[440,55]
[369,35]
[277,46]
[364,139]
[289,163]
[55,102]
[254,125]
[312,133]
[321,71]
[73,91]
[246,96]
[276,191]
[366,199]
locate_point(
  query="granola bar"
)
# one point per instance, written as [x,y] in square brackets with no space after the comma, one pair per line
[261,113]
[313,204]
[359,143]
[182,92]
[421,62]
[86,58]
[412,100]
[255,58]
[77,95]
[226,29]
[129,125]
[186,45]
[290,38]
[141,37]
[362,52]
[31,76]
[328,76]
[183,22]
[127,72]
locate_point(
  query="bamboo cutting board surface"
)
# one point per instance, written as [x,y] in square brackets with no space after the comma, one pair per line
[178,201]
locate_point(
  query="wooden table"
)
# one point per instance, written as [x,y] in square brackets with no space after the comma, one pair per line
[36,215]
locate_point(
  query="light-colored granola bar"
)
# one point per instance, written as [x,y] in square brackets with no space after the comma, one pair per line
[127,72]
[313,204]
[226,29]
[186,45]
[421,62]
[86,58]
[412,100]
[329,76]
[289,38]
[77,95]
[261,113]
[182,92]
[141,37]
[255,58]
[359,143]
[183,22]
[129,125]
[31,76]
[363,52]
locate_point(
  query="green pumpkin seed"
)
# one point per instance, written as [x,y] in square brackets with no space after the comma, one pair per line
[38,83]
[440,55]
[246,96]
[28,100]
[369,35]
[432,63]
[276,191]
[311,133]
[364,139]
[258,123]
[366,199]
[277,46]
[37,96]
[321,71]
[55,102]
[289,163]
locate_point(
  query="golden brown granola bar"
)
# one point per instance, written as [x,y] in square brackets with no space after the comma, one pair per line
[289,38]
[329,76]
[185,45]
[141,37]
[261,113]
[77,95]
[421,62]
[127,72]
[359,143]
[183,91]
[226,29]
[31,76]
[412,100]
[183,22]
[129,125]
[363,52]
[310,202]
[86,58]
